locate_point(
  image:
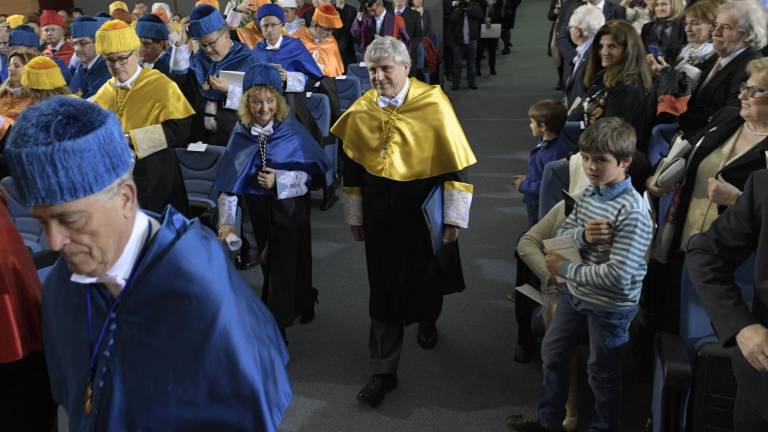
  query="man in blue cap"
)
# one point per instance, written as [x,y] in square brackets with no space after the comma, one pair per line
[146,324]
[91,72]
[153,33]
[214,100]
[23,38]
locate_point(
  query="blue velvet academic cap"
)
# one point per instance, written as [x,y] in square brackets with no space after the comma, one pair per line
[24,35]
[204,19]
[150,26]
[64,149]
[84,26]
[270,9]
[262,74]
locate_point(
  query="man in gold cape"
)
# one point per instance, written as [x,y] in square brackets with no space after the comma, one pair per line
[319,41]
[402,141]
[153,113]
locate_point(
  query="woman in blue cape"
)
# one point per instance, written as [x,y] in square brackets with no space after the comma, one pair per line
[272,161]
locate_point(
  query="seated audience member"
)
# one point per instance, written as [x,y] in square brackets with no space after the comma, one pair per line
[27,403]
[158,292]
[547,120]
[249,34]
[294,24]
[465,22]
[731,147]
[601,294]
[674,81]
[617,79]
[639,12]
[91,72]
[24,39]
[214,101]
[665,35]
[272,161]
[119,10]
[374,19]
[13,97]
[585,22]
[530,249]
[153,34]
[713,259]
[320,43]
[54,29]
[738,36]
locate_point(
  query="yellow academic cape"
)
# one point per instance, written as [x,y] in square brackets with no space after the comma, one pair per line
[422,138]
[326,54]
[153,99]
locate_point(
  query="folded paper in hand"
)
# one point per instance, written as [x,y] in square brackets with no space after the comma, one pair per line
[233,78]
[531,292]
[565,246]
[492,32]
[671,169]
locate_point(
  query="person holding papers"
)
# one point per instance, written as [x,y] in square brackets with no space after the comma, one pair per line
[402,140]
[612,226]
[272,161]
[214,100]
[153,113]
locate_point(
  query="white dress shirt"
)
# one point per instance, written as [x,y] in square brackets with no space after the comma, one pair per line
[399,98]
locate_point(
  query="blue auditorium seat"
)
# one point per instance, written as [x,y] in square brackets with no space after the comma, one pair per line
[554,179]
[30,228]
[199,172]
[320,107]
[349,90]
[661,138]
[361,73]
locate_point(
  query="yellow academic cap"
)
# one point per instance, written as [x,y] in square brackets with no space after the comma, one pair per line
[42,73]
[116,36]
[15,21]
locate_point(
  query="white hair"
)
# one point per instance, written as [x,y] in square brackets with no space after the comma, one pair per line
[588,19]
[384,47]
[163,6]
[752,21]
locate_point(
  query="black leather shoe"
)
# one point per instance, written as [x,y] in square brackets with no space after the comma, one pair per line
[455,86]
[473,86]
[427,336]
[379,385]
[526,423]
[522,354]
[309,314]
[493,71]
[505,51]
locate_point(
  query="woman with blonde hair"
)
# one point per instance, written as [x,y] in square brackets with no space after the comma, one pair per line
[665,35]
[272,162]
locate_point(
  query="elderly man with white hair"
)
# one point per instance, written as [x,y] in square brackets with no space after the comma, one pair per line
[404,147]
[583,26]
[738,36]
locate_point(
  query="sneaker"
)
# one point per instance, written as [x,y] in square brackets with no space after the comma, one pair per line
[527,423]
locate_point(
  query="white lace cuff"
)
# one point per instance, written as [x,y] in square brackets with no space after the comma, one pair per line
[353,206]
[227,209]
[296,82]
[234,95]
[180,59]
[457,199]
[291,184]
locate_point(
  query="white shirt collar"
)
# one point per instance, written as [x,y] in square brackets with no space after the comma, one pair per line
[92,62]
[276,46]
[399,98]
[340,4]
[128,84]
[400,11]
[121,270]
[381,17]
[266,130]
[58,45]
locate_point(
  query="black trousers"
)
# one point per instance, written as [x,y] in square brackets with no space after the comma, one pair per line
[746,418]
[489,44]
[25,395]
[462,52]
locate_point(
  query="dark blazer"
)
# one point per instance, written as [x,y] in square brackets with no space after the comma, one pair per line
[564,44]
[574,85]
[343,35]
[415,31]
[669,46]
[724,124]
[713,257]
[722,90]
[475,16]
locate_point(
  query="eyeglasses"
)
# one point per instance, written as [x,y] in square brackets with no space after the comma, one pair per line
[750,90]
[270,25]
[122,60]
[210,45]
[81,43]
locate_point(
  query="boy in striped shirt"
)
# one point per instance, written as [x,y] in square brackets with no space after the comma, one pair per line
[612,227]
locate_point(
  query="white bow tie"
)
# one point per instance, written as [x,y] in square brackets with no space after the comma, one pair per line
[385,101]
[258,130]
[121,85]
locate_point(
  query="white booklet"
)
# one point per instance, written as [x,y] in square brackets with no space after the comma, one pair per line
[490,32]
[565,246]
[233,78]
[532,293]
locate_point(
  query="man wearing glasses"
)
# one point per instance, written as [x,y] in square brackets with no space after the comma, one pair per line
[320,42]
[215,101]
[153,113]
[91,72]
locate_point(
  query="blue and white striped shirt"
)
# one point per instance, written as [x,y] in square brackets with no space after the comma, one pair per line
[611,275]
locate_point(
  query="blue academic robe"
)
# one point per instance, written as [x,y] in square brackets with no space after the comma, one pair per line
[163,64]
[292,56]
[91,81]
[239,58]
[63,68]
[289,148]
[190,347]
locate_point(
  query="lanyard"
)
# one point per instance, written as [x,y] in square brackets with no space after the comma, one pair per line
[110,315]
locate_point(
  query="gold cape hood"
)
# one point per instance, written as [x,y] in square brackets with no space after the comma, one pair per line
[426,138]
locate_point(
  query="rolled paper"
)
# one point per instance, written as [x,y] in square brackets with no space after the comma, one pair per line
[234,243]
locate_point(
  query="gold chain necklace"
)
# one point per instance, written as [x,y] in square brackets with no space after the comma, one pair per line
[386,132]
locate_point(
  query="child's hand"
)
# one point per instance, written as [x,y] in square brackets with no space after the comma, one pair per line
[598,231]
[553,261]
[517,181]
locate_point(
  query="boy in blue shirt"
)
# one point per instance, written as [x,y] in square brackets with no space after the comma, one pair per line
[612,227]
[547,120]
